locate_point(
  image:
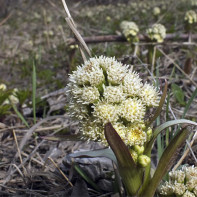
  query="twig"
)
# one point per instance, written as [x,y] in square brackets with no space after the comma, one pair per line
[11,171]
[5,19]
[32,129]
[185,153]
[19,152]
[72,25]
[49,158]
[194,83]
[120,38]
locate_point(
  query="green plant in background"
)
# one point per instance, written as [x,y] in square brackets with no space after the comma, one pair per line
[178,94]
[181,182]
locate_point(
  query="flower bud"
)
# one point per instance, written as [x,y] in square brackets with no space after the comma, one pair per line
[143,160]
[139,149]
[149,134]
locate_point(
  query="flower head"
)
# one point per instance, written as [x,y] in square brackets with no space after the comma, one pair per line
[191,17]
[104,90]
[129,29]
[149,95]
[156,11]
[181,182]
[132,110]
[3,87]
[157,33]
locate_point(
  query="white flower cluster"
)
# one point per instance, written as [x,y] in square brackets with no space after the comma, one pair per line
[157,33]
[182,183]
[104,90]
[191,17]
[12,98]
[129,29]
[156,11]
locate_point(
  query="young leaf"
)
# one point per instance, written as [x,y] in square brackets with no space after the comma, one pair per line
[165,163]
[178,94]
[161,128]
[131,175]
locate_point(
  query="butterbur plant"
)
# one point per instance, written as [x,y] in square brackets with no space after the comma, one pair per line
[157,33]
[129,30]
[110,102]
[103,90]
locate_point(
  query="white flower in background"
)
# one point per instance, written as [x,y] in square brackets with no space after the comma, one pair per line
[193,2]
[181,182]
[157,33]
[156,11]
[129,29]
[191,17]
[104,90]
[3,87]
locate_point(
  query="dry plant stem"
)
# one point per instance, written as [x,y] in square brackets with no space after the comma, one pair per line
[32,129]
[33,159]
[44,128]
[191,151]
[60,171]
[185,153]
[5,19]
[10,128]
[153,60]
[19,152]
[120,38]
[17,169]
[45,22]
[194,83]
[72,25]
[23,142]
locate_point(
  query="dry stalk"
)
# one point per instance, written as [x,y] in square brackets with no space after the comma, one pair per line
[83,47]
[49,158]
[178,67]
[186,152]
[19,152]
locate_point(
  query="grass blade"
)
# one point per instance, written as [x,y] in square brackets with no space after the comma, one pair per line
[20,115]
[34,91]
